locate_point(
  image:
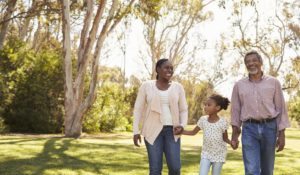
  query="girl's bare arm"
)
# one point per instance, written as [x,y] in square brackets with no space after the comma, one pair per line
[192,132]
[225,137]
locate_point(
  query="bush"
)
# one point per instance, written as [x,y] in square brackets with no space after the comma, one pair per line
[33,88]
[294,109]
[111,111]
[3,127]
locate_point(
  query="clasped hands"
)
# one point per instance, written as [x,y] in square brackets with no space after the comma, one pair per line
[177,130]
[234,144]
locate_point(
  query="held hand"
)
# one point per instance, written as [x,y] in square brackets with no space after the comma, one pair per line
[235,137]
[280,143]
[137,140]
[234,144]
[177,130]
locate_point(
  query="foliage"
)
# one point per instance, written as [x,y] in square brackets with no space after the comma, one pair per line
[294,109]
[3,127]
[292,79]
[196,94]
[113,107]
[33,88]
[149,8]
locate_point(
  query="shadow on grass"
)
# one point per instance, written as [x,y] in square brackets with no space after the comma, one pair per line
[70,156]
[114,136]
[116,158]
[17,140]
[52,157]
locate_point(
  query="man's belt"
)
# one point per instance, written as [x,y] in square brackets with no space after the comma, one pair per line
[267,120]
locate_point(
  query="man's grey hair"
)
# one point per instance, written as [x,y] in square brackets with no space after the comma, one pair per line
[253,52]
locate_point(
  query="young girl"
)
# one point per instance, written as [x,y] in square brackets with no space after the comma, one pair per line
[215,136]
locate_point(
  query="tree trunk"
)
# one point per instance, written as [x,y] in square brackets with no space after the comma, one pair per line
[75,103]
[73,122]
[24,29]
[69,93]
[26,21]
[36,37]
[6,20]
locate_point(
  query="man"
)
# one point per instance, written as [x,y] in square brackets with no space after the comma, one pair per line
[258,106]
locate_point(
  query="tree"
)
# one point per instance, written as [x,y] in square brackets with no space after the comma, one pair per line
[270,37]
[33,21]
[26,22]
[166,28]
[292,81]
[76,102]
[6,20]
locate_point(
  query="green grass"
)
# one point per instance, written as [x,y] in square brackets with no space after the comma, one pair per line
[114,154]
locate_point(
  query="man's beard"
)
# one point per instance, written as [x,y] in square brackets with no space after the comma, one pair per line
[253,71]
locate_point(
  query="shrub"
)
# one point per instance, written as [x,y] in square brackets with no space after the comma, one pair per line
[111,111]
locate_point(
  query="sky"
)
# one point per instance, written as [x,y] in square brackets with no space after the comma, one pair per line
[210,30]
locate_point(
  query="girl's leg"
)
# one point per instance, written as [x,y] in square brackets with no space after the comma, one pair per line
[216,168]
[204,166]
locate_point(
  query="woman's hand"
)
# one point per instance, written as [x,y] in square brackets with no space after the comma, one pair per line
[137,140]
[177,130]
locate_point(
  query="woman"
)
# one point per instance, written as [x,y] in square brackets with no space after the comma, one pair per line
[160,107]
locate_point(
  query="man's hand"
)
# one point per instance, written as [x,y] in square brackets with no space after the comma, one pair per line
[177,130]
[137,139]
[235,137]
[234,144]
[280,143]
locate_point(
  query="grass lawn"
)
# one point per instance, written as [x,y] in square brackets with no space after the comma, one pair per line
[114,154]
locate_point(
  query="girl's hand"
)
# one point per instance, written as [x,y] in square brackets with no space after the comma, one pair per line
[177,130]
